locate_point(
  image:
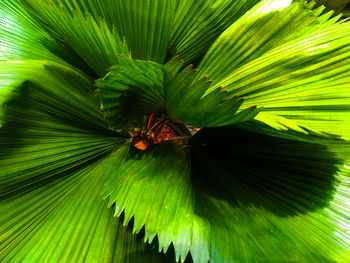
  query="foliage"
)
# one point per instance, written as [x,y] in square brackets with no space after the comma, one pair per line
[97,161]
[337,5]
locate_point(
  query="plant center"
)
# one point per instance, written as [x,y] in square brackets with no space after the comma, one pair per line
[157,130]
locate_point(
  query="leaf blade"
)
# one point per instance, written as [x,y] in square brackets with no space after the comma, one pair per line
[198,23]
[146,25]
[243,200]
[51,124]
[91,38]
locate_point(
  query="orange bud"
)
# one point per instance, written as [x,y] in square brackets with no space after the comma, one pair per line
[141,144]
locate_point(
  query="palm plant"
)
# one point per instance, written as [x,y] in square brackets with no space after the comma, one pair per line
[163,130]
[337,5]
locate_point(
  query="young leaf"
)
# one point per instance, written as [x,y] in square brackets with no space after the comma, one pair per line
[136,88]
[131,90]
[187,103]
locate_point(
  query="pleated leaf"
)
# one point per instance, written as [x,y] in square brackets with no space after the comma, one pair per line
[337,5]
[152,28]
[146,25]
[22,38]
[92,39]
[297,71]
[199,22]
[66,220]
[236,196]
[51,125]
[53,142]
[155,189]
[266,199]
[231,195]
[59,221]
[187,103]
[136,88]
[302,85]
[8,81]
[266,26]
[131,90]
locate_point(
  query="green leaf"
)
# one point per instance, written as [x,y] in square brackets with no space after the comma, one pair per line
[146,25]
[302,84]
[300,80]
[187,103]
[131,90]
[337,5]
[199,22]
[66,220]
[22,38]
[14,73]
[8,81]
[53,142]
[235,196]
[135,88]
[268,25]
[155,188]
[92,39]
[270,198]
[48,222]
[51,125]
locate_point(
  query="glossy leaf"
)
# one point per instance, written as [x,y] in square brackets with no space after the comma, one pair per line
[266,26]
[313,92]
[66,220]
[53,162]
[136,88]
[187,103]
[51,124]
[146,25]
[337,5]
[92,39]
[272,189]
[131,90]
[199,22]
[8,81]
[154,188]
[22,38]
[244,196]
[270,198]
[300,80]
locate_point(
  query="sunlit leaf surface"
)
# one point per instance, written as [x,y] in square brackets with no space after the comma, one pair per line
[98,99]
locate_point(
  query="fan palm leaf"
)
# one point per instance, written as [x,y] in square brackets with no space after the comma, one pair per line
[97,159]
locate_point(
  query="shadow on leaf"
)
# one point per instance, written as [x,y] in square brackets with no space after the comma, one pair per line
[247,170]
